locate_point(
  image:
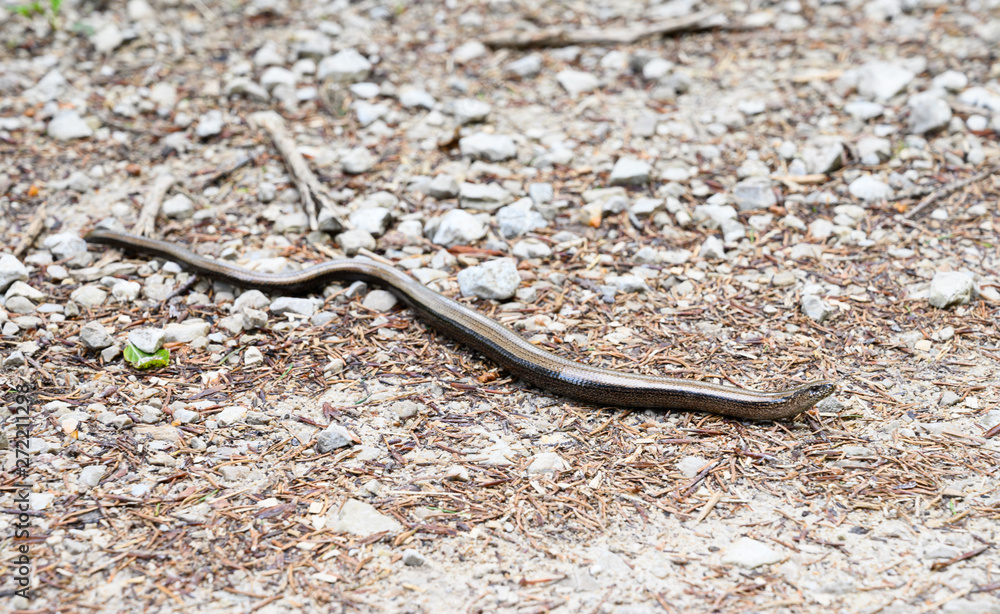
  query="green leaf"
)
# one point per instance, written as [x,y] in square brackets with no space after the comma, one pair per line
[142,361]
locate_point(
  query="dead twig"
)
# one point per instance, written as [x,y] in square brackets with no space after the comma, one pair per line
[151,207]
[305,180]
[31,234]
[939,193]
[564,36]
[961,557]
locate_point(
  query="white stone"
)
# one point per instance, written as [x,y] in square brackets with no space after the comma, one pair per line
[68,125]
[361,519]
[546,462]
[882,80]
[750,553]
[630,171]
[492,147]
[867,187]
[459,227]
[496,279]
[950,288]
[346,65]
[576,82]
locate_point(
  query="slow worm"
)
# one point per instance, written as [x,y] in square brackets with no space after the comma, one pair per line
[500,344]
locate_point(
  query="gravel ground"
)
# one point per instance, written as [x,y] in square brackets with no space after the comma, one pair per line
[753,193]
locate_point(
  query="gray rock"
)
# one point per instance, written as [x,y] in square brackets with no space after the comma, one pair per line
[244,86]
[163,95]
[950,288]
[352,241]
[48,88]
[712,216]
[19,288]
[11,270]
[864,109]
[253,299]
[981,97]
[496,279]
[91,475]
[275,76]
[313,45]
[823,157]
[65,245]
[626,284]
[656,68]
[88,296]
[294,222]
[186,331]
[412,558]
[754,193]
[732,231]
[178,207]
[783,279]
[253,319]
[266,191]
[186,416]
[690,466]
[253,357]
[492,147]
[347,66]
[413,230]
[951,80]
[380,300]
[815,308]
[147,339]
[413,97]
[369,113]
[867,187]
[267,55]
[787,150]
[949,399]
[576,82]
[333,437]
[519,218]
[19,305]
[882,80]
[469,51]
[443,187]
[629,171]
[107,38]
[373,220]
[751,107]
[68,125]
[231,415]
[209,124]
[750,553]
[526,67]
[459,227]
[874,150]
[645,207]
[546,462]
[361,519]
[977,123]
[469,110]
[531,248]
[80,182]
[712,249]
[14,360]
[291,304]
[928,112]
[483,196]
[232,324]
[357,161]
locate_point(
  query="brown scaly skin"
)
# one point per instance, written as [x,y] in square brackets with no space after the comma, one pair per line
[500,344]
